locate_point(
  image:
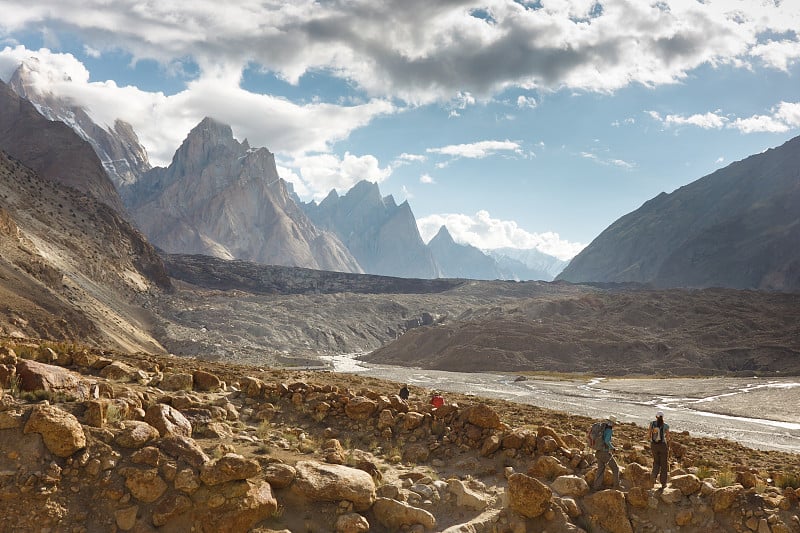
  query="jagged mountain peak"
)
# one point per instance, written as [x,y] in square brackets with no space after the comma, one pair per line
[443,235]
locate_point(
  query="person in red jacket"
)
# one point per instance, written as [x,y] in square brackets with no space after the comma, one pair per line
[436,399]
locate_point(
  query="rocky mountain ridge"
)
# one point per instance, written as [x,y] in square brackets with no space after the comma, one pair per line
[97,442]
[737,227]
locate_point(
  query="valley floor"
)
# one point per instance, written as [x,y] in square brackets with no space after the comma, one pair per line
[756,412]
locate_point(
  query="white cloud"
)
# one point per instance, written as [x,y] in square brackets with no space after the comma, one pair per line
[783,117]
[487,233]
[420,51]
[412,158]
[320,173]
[477,150]
[426,179]
[162,122]
[526,101]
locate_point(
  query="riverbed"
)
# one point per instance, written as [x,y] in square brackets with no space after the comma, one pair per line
[760,413]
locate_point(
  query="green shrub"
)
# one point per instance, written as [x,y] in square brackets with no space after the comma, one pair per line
[787,479]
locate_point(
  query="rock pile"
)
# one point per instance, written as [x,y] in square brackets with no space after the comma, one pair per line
[100,445]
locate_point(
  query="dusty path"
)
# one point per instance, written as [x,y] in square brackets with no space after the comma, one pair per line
[759,413]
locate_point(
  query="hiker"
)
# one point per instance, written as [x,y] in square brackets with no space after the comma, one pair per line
[403,392]
[436,399]
[603,455]
[658,436]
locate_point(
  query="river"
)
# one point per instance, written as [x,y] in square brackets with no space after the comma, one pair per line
[757,412]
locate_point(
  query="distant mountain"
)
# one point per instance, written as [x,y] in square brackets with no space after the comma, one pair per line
[123,157]
[738,227]
[52,149]
[222,198]
[462,260]
[382,235]
[528,264]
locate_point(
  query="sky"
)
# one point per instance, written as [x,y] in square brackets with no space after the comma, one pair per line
[515,123]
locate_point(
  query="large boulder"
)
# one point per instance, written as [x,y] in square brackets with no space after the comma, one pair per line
[483,416]
[360,408]
[688,484]
[333,483]
[393,515]
[243,504]
[61,432]
[547,467]
[723,498]
[168,421]
[35,376]
[570,486]
[607,508]
[528,496]
[135,434]
[229,467]
[146,485]
[466,497]
[205,381]
[184,448]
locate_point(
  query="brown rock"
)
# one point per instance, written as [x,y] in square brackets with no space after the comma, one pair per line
[279,475]
[412,420]
[547,467]
[135,434]
[528,496]
[351,523]
[570,486]
[607,507]
[324,482]
[546,431]
[360,408]
[172,506]
[393,515]
[244,504]
[483,416]
[184,448]
[145,485]
[125,518]
[176,382]
[688,484]
[229,467]
[684,517]
[490,445]
[515,439]
[168,421]
[120,372]
[638,497]
[186,481]
[35,376]
[724,497]
[61,432]
[205,381]
[637,476]
[334,452]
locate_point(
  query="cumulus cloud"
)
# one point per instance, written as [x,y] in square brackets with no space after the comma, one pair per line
[526,101]
[319,173]
[421,51]
[426,179]
[478,150]
[487,233]
[162,121]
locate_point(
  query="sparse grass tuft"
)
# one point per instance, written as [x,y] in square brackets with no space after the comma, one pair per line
[725,478]
[790,479]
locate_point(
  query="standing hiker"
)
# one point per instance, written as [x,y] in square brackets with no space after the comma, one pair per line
[658,435]
[603,448]
[404,392]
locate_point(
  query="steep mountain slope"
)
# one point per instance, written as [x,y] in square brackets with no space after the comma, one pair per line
[462,261]
[738,227]
[382,235]
[119,150]
[71,268]
[52,149]
[221,198]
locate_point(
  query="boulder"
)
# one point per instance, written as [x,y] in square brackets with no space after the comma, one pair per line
[360,408]
[351,523]
[608,509]
[229,467]
[546,431]
[570,486]
[35,376]
[172,506]
[466,497]
[168,421]
[146,485]
[528,496]
[393,515]
[724,497]
[243,505]
[61,432]
[483,416]
[333,483]
[279,475]
[637,476]
[547,467]
[205,381]
[135,434]
[176,382]
[688,484]
[120,372]
[184,448]
[638,497]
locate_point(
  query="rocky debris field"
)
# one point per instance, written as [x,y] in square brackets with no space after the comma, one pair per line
[98,441]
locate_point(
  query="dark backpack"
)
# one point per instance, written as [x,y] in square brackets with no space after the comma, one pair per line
[595,436]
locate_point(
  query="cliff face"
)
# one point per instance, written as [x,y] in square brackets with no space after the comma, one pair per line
[738,227]
[222,198]
[382,236]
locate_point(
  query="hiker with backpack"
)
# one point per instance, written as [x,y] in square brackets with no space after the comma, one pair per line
[600,435]
[658,435]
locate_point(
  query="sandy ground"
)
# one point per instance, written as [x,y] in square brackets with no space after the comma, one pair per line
[759,413]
